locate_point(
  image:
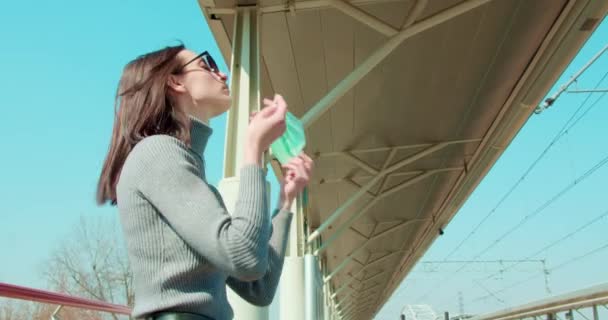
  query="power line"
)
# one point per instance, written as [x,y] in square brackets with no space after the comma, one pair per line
[526,218]
[428,266]
[563,264]
[480,261]
[576,181]
[490,293]
[588,109]
[553,244]
[549,101]
[549,246]
[565,128]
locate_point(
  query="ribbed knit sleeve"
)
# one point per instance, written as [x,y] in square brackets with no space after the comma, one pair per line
[261,292]
[169,177]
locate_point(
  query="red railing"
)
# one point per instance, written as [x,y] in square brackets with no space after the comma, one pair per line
[23,293]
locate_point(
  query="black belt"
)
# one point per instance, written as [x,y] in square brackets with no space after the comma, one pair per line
[177,316]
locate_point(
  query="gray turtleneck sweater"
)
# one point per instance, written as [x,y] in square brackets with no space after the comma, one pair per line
[184,247]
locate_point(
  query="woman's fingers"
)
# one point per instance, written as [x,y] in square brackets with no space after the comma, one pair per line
[306,158]
[301,174]
[252,115]
[279,100]
[307,162]
[281,107]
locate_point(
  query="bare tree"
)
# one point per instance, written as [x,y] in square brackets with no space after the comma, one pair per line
[15,309]
[92,263]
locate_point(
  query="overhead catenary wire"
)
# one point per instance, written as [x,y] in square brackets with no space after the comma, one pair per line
[563,130]
[581,228]
[546,204]
[551,100]
[561,265]
[568,125]
[572,121]
[526,218]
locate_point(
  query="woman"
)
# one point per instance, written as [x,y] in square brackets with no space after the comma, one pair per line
[184,247]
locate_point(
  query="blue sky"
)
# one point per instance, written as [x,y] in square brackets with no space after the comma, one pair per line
[60,66]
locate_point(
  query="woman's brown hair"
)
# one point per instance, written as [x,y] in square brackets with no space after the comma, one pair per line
[142,108]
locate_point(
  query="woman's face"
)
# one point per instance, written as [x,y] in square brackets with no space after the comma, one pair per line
[204,87]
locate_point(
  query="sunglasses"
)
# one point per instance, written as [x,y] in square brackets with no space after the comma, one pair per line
[207,59]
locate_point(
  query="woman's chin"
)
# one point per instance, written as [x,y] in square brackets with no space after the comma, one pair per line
[223,105]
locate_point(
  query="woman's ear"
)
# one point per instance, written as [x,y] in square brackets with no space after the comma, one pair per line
[175,84]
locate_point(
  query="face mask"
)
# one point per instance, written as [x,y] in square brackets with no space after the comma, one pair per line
[292,142]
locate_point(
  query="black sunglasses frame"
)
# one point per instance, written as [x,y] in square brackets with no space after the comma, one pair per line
[207,58]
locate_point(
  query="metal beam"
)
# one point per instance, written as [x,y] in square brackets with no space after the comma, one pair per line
[370,184]
[296,6]
[347,8]
[414,13]
[12,291]
[580,313]
[362,247]
[349,299]
[364,17]
[595,313]
[344,286]
[358,295]
[353,295]
[549,101]
[384,179]
[360,163]
[342,307]
[316,111]
[315,234]
[350,181]
[588,297]
[359,308]
[381,272]
[371,203]
[396,148]
[351,303]
[356,307]
[362,235]
[371,263]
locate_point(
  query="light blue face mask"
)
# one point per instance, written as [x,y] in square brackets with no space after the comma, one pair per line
[292,142]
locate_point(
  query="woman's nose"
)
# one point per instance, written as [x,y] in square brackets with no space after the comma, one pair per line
[222,76]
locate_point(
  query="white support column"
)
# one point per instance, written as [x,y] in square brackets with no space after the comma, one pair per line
[292,285]
[292,289]
[245,92]
[313,288]
[244,87]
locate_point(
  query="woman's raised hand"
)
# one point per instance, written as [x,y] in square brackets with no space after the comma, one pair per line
[297,173]
[265,126]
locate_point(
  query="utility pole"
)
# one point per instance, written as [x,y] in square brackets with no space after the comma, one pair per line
[460,303]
